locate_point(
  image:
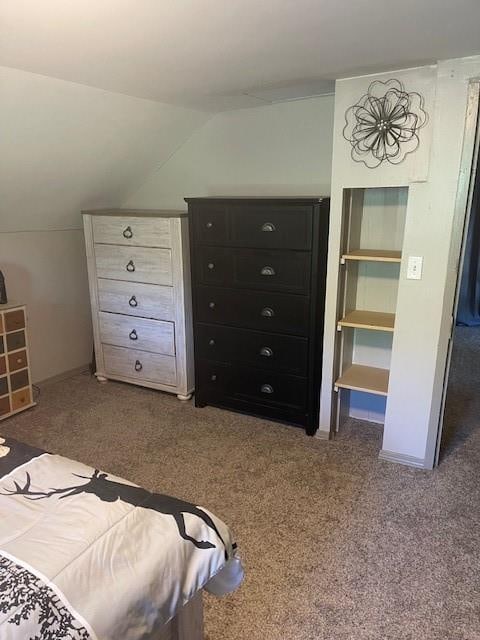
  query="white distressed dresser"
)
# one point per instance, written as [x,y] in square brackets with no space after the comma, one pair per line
[139,278]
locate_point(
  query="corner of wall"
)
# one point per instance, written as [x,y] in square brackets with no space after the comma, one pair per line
[137,194]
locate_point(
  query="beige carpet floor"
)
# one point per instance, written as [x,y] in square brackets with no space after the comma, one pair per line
[336,544]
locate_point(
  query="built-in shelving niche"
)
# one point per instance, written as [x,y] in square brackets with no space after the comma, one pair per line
[371,253]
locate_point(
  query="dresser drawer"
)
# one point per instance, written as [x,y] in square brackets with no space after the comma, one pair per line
[252,385]
[132,231]
[14,320]
[19,380]
[16,340]
[21,399]
[288,354]
[137,333]
[271,227]
[17,360]
[211,224]
[135,264]
[265,311]
[140,365]
[136,299]
[5,406]
[254,269]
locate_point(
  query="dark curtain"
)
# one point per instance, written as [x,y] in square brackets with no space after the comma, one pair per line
[468,314]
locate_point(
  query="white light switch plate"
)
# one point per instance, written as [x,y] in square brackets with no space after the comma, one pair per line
[414,268]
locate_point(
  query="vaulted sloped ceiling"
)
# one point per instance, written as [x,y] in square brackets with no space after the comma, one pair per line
[220,54]
[67,146]
[95,95]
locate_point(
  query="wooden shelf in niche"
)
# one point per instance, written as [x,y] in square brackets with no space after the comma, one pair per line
[373,255]
[367,379]
[374,320]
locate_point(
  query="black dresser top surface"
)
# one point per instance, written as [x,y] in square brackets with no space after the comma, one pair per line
[260,199]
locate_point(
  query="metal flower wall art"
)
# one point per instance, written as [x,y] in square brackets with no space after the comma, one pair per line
[383,125]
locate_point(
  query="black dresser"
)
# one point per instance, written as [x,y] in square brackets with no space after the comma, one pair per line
[258,274]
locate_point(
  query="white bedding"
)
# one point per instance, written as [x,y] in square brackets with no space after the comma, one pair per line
[86,555]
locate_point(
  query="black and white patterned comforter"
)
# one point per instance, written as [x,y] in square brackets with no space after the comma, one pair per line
[88,556]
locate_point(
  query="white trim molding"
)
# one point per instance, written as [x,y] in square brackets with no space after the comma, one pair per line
[403,458]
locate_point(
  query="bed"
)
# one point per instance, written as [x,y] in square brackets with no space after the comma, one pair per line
[85,555]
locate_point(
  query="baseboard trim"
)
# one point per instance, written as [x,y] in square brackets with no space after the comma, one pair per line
[403,458]
[322,435]
[64,376]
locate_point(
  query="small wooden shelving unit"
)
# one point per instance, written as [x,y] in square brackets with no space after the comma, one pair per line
[15,378]
[372,239]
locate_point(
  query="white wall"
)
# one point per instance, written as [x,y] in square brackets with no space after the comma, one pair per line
[47,270]
[424,306]
[280,149]
[65,147]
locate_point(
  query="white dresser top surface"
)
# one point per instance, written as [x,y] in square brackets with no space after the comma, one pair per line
[140,213]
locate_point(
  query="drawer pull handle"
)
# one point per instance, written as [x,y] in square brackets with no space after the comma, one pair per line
[211,265]
[138,365]
[266,388]
[19,361]
[128,233]
[267,312]
[133,301]
[133,334]
[266,351]
[130,266]
[268,227]
[211,305]
[267,271]
[211,342]
[213,377]
[209,225]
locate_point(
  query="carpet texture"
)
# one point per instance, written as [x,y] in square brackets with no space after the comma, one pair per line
[337,545]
